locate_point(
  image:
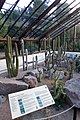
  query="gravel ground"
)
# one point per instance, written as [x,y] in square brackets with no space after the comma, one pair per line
[5,113]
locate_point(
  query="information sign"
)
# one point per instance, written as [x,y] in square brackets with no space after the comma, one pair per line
[27,101]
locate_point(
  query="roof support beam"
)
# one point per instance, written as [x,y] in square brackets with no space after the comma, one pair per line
[53,18]
[40,17]
[60,23]
[19,17]
[1,3]
[9,14]
[29,17]
[70,25]
[25,39]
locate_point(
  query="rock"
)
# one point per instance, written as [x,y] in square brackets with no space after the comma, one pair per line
[8,86]
[2,99]
[52,73]
[72,88]
[30,73]
[30,80]
[63,64]
[61,76]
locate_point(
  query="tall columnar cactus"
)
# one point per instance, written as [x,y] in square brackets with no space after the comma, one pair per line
[11,66]
[59,49]
[55,47]
[58,88]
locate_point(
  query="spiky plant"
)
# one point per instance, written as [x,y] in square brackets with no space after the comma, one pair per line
[58,87]
[11,67]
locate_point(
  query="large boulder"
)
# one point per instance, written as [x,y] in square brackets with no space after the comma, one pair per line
[72,88]
[35,72]
[30,80]
[8,86]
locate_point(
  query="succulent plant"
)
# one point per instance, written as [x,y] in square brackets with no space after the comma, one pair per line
[11,67]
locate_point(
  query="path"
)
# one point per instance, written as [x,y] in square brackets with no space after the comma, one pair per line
[41,58]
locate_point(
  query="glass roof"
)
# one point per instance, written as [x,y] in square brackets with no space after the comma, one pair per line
[23,3]
[46,16]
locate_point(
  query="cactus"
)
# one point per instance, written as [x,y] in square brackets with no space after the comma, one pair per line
[58,88]
[55,46]
[12,69]
[59,50]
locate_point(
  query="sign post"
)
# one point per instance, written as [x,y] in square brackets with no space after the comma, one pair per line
[75,113]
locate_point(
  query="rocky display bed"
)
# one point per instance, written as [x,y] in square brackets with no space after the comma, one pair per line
[5,113]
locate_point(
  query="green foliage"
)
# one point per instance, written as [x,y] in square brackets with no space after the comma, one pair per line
[61,10]
[3,30]
[31,46]
[36,4]
[11,67]
[2,33]
[1,46]
[15,14]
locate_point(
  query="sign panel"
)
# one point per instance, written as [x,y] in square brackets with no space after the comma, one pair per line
[27,101]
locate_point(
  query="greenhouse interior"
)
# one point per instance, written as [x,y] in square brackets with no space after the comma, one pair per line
[39,60]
